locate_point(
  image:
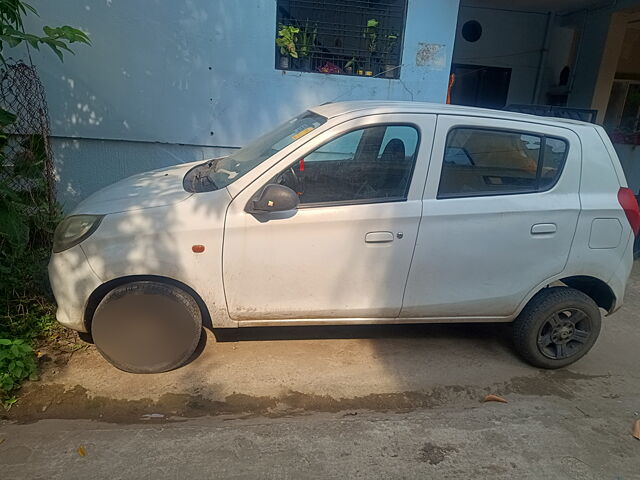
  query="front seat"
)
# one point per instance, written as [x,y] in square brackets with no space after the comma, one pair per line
[395,168]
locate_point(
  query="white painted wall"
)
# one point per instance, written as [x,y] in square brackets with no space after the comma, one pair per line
[198,73]
[510,39]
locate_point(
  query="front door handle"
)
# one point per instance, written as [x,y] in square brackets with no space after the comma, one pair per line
[543,228]
[379,237]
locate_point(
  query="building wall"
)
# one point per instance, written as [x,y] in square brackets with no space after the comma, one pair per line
[602,34]
[511,39]
[630,159]
[165,81]
[629,61]
[84,165]
[515,39]
[562,43]
[629,67]
[594,28]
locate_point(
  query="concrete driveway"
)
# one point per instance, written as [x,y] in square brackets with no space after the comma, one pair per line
[393,401]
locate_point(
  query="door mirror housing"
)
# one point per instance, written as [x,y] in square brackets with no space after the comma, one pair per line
[273,198]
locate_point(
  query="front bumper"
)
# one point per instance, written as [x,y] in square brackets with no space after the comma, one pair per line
[72,281]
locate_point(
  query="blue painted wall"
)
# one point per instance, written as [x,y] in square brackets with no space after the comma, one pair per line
[171,80]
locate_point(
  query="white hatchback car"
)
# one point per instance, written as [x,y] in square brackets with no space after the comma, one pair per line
[358,213]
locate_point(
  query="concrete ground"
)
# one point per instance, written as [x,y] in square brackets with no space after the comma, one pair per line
[357,402]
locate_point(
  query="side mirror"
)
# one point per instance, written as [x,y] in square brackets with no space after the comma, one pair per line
[273,198]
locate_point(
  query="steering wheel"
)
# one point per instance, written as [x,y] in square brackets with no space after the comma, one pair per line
[289,178]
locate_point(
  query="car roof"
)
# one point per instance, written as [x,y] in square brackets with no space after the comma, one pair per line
[370,107]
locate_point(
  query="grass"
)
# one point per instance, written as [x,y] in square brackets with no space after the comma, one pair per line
[27,320]
[27,308]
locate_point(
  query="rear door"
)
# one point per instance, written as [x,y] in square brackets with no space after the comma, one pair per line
[500,210]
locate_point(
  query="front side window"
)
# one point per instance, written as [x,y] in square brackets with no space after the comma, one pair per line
[368,164]
[493,162]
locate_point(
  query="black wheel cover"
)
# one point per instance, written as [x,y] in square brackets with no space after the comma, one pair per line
[147,327]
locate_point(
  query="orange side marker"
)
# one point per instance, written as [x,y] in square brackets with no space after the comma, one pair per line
[197,248]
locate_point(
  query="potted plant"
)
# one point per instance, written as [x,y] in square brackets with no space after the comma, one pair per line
[305,47]
[350,66]
[390,42]
[287,39]
[371,35]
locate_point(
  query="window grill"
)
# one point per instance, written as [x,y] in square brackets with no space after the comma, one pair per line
[345,37]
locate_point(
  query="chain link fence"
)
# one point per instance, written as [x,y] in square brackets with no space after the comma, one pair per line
[26,160]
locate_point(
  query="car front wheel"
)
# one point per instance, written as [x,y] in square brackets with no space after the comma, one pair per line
[147,327]
[557,327]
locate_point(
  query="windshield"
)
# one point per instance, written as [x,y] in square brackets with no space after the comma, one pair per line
[226,170]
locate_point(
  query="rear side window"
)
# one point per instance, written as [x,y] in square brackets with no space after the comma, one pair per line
[494,162]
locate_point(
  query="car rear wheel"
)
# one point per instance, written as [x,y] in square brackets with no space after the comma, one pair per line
[557,327]
[147,327]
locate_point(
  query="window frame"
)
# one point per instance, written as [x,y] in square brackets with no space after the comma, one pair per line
[364,201]
[396,72]
[543,141]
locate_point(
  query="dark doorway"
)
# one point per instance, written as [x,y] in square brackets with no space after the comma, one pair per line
[480,86]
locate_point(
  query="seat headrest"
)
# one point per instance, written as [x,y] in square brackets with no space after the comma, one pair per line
[394,151]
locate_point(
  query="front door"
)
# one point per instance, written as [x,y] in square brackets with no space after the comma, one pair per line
[346,251]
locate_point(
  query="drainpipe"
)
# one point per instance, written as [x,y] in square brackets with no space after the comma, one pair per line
[543,58]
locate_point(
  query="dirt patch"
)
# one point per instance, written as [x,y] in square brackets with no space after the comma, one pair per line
[55,401]
[39,401]
[55,351]
[557,383]
[434,454]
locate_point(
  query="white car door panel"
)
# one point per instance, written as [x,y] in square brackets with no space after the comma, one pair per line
[323,260]
[479,256]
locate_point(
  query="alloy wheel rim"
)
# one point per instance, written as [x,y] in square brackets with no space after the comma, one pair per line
[564,334]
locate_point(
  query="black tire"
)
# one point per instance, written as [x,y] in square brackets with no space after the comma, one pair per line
[147,327]
[557,327]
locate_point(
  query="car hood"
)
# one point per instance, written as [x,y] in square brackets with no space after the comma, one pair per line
[156,188]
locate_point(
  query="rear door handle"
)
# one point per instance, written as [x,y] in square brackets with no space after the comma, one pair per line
[542,228]
[379,237]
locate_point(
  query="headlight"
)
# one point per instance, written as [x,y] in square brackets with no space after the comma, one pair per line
[73,230]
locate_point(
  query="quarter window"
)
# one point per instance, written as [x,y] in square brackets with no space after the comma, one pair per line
[364,165]
[555,152]
[493,162]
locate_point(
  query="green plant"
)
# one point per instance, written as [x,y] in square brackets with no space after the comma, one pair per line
[12,33]
[389,45]
[28,216]
[27,220]
[307,39]
[371,34]
[287,40]
[17,364]
[353,64]
[12,30]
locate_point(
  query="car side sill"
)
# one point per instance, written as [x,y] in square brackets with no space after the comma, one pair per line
[367,321]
